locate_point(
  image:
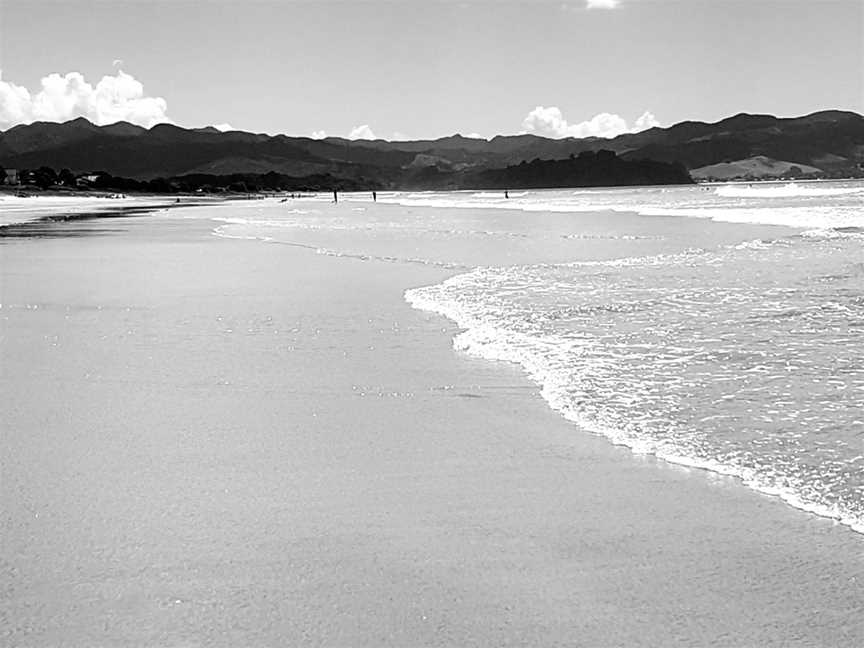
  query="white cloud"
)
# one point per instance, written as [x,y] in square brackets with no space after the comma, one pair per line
[63,97]
[318,134]
[645,121]
[550,122]
[15,103]
[362,132]
[601,4]
[224,127]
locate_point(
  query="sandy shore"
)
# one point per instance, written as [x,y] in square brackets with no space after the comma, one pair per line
[16,213]
[214,442]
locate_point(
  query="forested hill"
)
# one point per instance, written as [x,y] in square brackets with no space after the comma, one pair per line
[588,169]
[824,144]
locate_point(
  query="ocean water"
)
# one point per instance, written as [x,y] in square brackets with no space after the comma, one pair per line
[720,327]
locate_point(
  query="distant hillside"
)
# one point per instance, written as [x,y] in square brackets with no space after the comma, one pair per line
[755,168]
[832,141]
[588,169]
[825,144]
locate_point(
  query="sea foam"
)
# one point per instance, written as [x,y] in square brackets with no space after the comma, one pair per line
[598,375]
[789,190]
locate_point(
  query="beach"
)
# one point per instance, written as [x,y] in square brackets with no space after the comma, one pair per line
[253,439]
[20,210]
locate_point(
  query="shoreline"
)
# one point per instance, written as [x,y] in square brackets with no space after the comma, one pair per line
[751,482]
[712,470]
[251,444]
[38,225]
[613,437]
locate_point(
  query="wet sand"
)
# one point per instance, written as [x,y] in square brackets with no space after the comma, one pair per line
[19,211]
[48,217]
[215,442]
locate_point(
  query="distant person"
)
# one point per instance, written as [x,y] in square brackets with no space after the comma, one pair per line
[506,194]
[335,197]
[374,196]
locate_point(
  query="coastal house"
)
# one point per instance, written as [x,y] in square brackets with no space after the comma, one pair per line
[11,177]
[87,180]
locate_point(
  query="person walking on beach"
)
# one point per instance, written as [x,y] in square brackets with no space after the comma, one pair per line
[506,194]
[335,197]
[374,196]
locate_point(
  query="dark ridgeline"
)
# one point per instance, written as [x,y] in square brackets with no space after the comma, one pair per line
[588,169]
[170,158]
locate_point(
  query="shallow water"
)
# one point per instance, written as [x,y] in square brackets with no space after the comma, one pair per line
[720,327]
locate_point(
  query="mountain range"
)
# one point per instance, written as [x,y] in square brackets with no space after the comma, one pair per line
[823,144]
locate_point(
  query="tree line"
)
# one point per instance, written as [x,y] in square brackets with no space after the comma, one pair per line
[47,178]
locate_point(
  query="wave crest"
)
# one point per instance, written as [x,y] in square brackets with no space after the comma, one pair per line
[789,190]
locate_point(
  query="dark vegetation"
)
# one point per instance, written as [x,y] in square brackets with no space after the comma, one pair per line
[47,178]
[169,158]
[588,169]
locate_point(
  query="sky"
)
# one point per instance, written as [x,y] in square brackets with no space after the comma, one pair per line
[427,68]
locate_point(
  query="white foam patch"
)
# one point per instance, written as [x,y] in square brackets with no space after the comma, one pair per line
[477,302]
[815,217]
[790,190]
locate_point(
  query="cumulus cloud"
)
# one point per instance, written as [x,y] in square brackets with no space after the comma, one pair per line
[645,121]
[319,134]
[15,103]
[63,97]
[224,127]
[601,4]
[362,132]
[550,122]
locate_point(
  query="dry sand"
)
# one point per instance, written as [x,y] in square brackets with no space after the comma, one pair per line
[211,442]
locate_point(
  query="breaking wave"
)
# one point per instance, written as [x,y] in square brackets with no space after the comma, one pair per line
[789,190]
[683,357]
